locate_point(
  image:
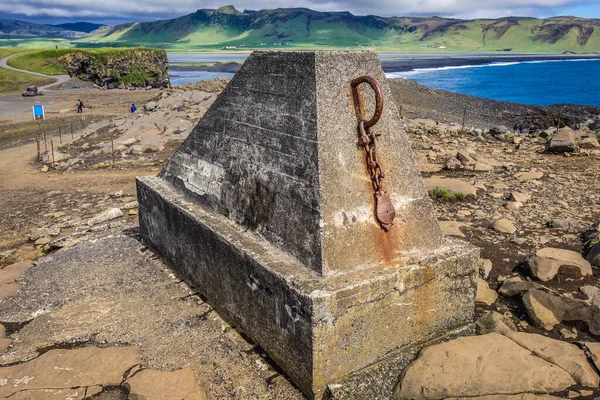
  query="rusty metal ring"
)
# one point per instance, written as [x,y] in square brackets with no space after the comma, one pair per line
[378,97]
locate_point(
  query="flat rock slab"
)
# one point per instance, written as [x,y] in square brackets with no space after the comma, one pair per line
[479,366]
[452,185]
[65,369]
[112,290]
[10,273]
[529,176]
[566,355]
[158,385]
[452,228]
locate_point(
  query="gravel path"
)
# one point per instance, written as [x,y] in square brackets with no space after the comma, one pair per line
[60,79]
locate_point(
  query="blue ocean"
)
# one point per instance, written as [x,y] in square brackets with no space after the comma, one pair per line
[530,82]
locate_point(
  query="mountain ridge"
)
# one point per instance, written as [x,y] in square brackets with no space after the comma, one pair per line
[226,27]
[301,28]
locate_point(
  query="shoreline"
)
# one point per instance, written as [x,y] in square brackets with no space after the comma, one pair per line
[425,61]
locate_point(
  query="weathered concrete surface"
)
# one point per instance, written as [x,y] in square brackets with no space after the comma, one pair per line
[277,153]
[112,291]
[319,330]
[267,208]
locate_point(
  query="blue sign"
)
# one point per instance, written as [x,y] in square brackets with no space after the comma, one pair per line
[38,112]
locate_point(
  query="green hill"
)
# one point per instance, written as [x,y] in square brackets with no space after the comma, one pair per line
[228,28]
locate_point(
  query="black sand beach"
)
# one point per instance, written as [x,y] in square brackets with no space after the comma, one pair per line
[405,63]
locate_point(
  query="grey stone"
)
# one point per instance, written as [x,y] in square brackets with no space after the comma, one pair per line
[491,321]
[516,286]
[151,105]
[42,232]
[562,141]
[559,223]
[267,211]
[593,256]
[485,267]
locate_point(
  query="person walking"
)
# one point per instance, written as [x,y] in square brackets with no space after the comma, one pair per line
[79,106]
[133,108]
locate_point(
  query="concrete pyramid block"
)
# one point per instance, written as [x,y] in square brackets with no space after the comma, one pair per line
[268,209]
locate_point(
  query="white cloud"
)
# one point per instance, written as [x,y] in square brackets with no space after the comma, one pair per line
[158,8]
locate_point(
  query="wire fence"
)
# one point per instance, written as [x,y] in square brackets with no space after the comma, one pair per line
[45,140]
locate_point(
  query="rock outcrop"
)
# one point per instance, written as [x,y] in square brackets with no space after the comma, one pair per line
[113,69]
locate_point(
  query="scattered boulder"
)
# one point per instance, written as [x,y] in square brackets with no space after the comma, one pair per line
[503,225]
[563,141]
[547,310]
[558,224]
[491,321]
[484,365]
[516,286]
[498,130]
[485,267]
[546,263]
[513,206]
[589,143]
[151,105]
[484,293]
[520,197]
[593,256]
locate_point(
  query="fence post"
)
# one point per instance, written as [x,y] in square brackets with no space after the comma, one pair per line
[464,119]
[37,139]
[60,134]
[400,111]
[45,141]
[52,145]
[71,130]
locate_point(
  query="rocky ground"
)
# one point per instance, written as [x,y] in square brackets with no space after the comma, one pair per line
[530,201]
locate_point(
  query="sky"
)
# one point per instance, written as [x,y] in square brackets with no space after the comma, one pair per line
[117,11]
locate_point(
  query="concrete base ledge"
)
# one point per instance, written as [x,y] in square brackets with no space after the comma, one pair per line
[319,330]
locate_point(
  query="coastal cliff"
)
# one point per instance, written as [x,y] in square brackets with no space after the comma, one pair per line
[111,69]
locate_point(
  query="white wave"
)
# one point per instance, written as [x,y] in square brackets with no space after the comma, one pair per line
[418,71]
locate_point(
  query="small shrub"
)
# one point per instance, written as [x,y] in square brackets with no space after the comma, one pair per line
[446,195]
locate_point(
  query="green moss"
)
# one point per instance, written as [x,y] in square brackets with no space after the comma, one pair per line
[100,166]
[446,195]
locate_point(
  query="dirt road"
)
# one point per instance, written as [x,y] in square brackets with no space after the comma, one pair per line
[60,79]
